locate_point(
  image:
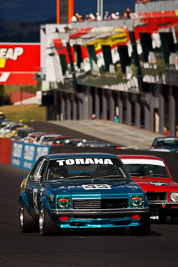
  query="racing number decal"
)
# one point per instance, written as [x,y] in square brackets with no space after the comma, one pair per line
[96,186]
[35,200]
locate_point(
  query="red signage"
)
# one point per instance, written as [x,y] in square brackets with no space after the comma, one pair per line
[19,63]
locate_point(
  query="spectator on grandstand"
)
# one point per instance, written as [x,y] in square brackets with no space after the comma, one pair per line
[79,17]
[106,14]
[92,16]
[127,14]
[98,17]
[73,19]
[144,1]
[87,17]
[118,15]
[114,15]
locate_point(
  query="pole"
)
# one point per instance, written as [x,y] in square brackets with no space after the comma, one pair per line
[57,11]
[100,7]
[21,94]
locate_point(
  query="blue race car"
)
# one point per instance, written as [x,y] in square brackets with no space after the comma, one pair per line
[81,191]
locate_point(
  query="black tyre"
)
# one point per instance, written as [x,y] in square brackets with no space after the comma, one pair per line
[26,221]
[174,219]
[46,226]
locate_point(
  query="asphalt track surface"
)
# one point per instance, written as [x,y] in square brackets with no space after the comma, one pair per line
[92,248]
[53,128]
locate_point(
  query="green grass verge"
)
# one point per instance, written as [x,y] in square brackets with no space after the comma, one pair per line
[9,88]
[25,113]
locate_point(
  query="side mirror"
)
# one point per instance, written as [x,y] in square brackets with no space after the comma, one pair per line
[37,178]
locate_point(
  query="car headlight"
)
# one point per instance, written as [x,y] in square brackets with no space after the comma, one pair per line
[137,201]
[174,197]
[63,202]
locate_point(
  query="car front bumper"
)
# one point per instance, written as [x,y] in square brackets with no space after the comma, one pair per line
[99,212]
[170,208]
[99,218]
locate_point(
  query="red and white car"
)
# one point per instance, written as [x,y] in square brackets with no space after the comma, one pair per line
[154,177]
[59,140]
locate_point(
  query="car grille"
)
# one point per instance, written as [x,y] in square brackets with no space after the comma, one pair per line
[156,196]
[100,203]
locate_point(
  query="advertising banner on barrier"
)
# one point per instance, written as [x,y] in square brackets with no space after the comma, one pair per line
[24,155]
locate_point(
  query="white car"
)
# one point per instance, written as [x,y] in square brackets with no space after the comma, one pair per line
[45,138]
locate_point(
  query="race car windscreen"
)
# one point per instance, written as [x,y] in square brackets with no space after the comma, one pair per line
[166,142]
[86,168]
[146,167]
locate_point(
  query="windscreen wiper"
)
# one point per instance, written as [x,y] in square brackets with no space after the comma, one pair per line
[109,176]
[158,174]
[76,177]
[134,173]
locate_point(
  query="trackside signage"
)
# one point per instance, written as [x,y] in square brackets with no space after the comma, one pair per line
[11,53]
[19,62]
[24,156]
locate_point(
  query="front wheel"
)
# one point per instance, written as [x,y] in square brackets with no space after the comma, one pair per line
[46,226]
[26,221]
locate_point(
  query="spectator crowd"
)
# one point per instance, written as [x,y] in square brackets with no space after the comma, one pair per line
[107,16]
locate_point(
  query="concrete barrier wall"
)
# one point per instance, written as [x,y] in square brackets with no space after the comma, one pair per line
[5,150]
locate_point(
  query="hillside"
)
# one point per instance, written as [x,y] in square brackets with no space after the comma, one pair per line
[31,112]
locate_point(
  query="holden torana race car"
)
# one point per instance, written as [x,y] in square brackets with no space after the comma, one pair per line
[153,175]
[81,191]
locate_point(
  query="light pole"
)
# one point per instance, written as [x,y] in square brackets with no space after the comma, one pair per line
[100,7]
